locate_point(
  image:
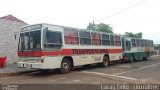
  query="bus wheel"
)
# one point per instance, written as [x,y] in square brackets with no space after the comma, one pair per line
[65,66]
[146,58]
[105,61]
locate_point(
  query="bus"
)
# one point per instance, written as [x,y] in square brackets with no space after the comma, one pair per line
[137,49]
[46,46]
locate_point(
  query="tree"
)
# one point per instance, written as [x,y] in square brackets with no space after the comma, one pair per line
[100,27]
[91,26]
[130,34]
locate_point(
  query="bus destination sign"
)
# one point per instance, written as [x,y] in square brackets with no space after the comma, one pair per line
[32,27]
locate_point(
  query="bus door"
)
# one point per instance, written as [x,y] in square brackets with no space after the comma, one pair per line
[127,44]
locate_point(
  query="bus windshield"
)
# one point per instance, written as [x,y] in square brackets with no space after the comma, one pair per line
[30,41]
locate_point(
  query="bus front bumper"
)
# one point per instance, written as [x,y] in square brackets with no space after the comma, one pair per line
[30,65]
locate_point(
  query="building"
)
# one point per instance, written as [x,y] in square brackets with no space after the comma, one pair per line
[9,35]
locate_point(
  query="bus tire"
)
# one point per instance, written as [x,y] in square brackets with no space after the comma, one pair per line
[65,66]
[105,61]
[146,58]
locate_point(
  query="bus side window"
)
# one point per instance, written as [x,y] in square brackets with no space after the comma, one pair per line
[53,40]
[85,38]
[105,39]
[96,39]
[112,40]
[71,36]
[117,40]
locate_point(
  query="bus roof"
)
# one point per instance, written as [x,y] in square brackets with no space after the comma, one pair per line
[70,27]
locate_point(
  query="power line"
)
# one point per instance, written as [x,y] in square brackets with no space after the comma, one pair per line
[114,14]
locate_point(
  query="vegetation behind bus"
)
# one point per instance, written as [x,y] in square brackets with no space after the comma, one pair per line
[100,27]
[136,35]
[107,28]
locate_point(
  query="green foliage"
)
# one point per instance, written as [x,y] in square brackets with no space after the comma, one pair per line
[130,34]
[100,27]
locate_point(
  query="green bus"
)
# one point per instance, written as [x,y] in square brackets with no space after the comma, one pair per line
[137,49]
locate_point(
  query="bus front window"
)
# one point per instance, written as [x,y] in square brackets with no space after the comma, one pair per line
[30,41]
[35,40]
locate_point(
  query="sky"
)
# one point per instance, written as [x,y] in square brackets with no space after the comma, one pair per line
[123,15]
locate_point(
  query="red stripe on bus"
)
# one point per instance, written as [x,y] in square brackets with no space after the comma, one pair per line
[64,52]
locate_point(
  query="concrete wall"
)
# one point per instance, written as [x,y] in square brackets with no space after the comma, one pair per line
[8,43]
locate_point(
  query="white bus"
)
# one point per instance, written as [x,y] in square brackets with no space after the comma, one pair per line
[46,46]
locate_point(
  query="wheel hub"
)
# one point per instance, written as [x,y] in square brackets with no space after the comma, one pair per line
[65,66]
